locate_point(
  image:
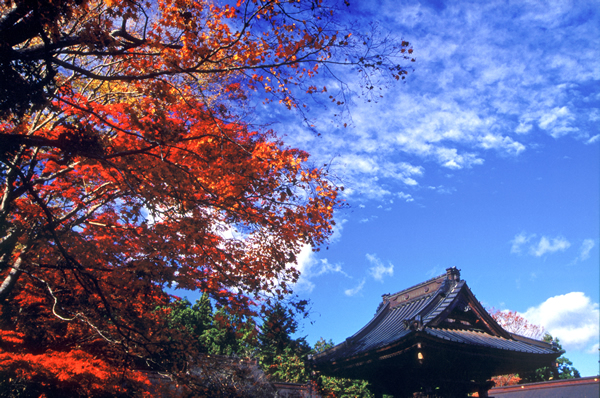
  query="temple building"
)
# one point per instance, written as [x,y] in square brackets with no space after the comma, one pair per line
[433,339]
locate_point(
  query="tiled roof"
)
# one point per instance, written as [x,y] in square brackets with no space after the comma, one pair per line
[389,329]
[486,340]
[437,308]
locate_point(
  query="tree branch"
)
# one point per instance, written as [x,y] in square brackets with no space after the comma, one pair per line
[13,276]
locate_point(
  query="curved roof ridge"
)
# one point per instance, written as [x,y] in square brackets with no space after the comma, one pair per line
[443,276]
[371,324]
[444,302]
[479,337]
[531,340]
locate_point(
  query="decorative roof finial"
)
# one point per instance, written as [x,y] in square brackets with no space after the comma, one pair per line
[453,274]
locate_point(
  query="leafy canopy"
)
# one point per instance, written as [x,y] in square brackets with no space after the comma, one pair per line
[126,169]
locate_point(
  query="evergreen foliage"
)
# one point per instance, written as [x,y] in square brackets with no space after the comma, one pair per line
[564,367]
[337,387]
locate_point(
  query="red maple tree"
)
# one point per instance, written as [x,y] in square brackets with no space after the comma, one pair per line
[126,170]
[514,323]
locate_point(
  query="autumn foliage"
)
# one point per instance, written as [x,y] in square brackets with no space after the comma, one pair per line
[515,323]
[127,169]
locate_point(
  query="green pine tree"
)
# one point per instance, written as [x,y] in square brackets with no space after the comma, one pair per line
[563,370]
[282,357]
[217,333]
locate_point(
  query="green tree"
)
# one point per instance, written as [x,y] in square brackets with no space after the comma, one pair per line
[226,333]
[125,158]
[283,357]
[216,333]
[195,319]
[223,340]
[564,367]
[230,334]
[337,387]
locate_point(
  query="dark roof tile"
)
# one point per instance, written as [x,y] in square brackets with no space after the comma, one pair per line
[483,339]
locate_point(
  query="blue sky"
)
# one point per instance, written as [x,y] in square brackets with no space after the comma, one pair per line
[487,159]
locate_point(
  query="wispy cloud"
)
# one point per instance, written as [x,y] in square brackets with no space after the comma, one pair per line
[379,270]
[355,290]
[546,245]
[593,140]
[311,267]
[557,122]
[584,251]
[586,247]
[435,271]
[489,80]
[337,230]
[518,241]
[405,196]
[441,189]
[572,317]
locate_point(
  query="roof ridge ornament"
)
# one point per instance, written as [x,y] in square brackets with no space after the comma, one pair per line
[414,323]
[453,274]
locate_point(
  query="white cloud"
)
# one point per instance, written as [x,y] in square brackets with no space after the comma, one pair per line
[505,144]
[441,189]
[304,262]
[402,171]
[450,158]
[469,95]
[311,267]
[407,197]
[359,163]
[558,122]
[586,247]
[304,285]
[518,241]
[550,117]
[546,245]
[594,139]
[355,290]
[571,317]
[523,128]
[337,230]
[378,271]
